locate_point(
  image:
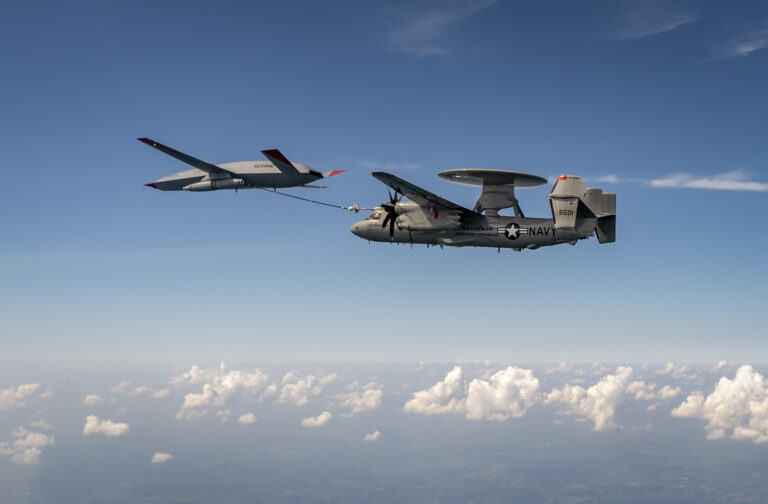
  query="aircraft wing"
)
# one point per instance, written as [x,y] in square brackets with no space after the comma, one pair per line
[185,158]
[420,196]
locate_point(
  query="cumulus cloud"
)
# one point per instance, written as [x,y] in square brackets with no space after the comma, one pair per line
[373,436]
[737,180]
[159,394]
[318,421]
[506,394]
[420,34]
[41,424]
[16,397]
[598,403]
[298,390]
[439,398]
[247,419]
[92,399]
[121,387]
[736,408]
[221,386]
[26,449]
[95,425]
[160,457]
[140,390]
[357,401]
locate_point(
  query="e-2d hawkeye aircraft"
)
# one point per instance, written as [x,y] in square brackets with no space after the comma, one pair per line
[577,213]
[274,173]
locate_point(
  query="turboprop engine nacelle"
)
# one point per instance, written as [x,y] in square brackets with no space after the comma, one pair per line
[414,218]
[216,184]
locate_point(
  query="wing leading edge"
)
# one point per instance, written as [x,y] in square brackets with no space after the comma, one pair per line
[186,158]
[420,196]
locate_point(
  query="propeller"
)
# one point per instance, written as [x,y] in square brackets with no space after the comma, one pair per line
[392,215]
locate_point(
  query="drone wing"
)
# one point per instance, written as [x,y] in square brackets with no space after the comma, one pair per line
[185,158]
[420,196]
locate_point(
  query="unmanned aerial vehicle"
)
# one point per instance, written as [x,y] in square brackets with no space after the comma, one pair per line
[274,173]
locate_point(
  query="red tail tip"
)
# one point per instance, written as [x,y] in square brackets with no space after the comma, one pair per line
[334,172]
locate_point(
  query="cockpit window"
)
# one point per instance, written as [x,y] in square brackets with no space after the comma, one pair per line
[375,216]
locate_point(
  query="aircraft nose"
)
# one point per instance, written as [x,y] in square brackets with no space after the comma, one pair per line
[357,229]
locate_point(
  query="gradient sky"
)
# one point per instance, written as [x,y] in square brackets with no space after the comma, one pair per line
[663,103]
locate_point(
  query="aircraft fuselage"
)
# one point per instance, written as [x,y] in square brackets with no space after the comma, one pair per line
[252,173]
[481,231]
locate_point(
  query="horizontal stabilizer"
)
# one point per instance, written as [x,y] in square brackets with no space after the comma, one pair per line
[606,229]
[280,161]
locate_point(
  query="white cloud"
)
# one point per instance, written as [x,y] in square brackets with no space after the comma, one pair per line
[507,394]
[121,387]
[598,403]
[221,386]
[223,414]
[358,401]
[95,425]
[737,408]
[140,390]
[608,179]
[159,394]
[247,419]
[419,35]
[731,181]
[16,397]
[373,436]
[717,367]
[299,390]
[318,421]
[160,457]
[370,165]
[26,449]
[743,45]
[197,375]
[439,398]
[92,399]
[645,18]
[41,424]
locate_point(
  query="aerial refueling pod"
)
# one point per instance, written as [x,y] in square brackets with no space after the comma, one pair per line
[215,184]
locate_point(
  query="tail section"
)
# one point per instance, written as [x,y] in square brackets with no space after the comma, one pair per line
[571,200]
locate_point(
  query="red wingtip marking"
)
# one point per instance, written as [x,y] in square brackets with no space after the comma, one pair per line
[334,172]
[153,186]
[562,177]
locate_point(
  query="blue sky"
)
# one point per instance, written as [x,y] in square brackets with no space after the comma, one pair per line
[660,102]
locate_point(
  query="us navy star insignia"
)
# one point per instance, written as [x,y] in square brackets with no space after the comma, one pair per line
[512,231]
